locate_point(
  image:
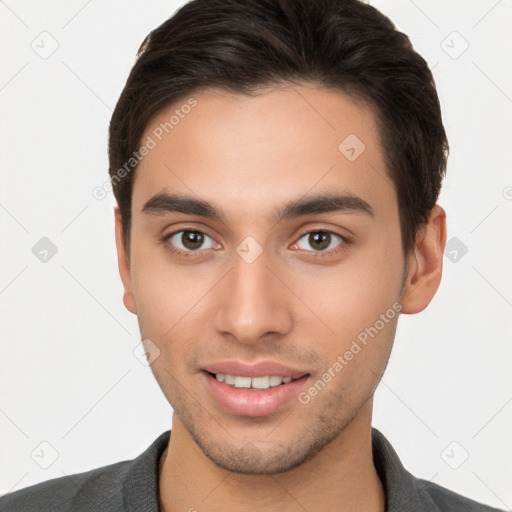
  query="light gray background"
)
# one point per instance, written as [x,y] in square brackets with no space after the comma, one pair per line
[68,373]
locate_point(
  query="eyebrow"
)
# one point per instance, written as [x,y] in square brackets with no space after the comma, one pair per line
[164,203]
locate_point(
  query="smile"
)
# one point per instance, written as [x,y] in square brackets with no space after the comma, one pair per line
[264,382]
[257,396]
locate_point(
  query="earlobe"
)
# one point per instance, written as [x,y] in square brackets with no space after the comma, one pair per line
[425,263]
[124,264]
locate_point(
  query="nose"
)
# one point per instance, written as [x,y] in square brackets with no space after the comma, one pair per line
[253,303]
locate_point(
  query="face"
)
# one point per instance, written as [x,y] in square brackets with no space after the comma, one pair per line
[265,244]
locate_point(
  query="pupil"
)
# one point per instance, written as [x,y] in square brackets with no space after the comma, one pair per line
[192,239]
[320,240]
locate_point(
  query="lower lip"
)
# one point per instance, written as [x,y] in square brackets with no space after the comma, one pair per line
[253,402]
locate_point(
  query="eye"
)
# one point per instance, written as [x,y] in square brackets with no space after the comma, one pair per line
[190,241]
[320,241]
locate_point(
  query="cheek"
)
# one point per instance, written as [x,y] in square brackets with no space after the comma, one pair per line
[356,357]
[352,296]
[357,308]
[169,297]
[158,291]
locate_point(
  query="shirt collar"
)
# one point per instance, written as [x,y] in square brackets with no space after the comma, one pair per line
[403,491]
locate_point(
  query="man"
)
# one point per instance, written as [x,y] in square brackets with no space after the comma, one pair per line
[276,166]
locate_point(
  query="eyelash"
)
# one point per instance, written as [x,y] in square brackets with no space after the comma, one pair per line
[198,253]
[344,244]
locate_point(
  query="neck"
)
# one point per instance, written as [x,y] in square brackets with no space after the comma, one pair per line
[340,477]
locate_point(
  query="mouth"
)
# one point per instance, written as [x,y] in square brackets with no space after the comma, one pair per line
[255,383]
[256,395]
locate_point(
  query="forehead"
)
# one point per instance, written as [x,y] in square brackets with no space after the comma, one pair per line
[246,153]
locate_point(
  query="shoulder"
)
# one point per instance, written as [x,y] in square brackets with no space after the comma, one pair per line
[91,490]
[444,499]
[130,485]
[405,492]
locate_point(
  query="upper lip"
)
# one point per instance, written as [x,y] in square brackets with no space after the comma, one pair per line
[260,369]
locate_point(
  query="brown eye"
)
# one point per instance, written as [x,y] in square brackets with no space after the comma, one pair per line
[191,240]
[319,241]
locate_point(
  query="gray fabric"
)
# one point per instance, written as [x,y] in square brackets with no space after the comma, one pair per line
[132,486]
[406,493]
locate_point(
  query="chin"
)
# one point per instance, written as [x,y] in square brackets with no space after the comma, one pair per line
[270,458]
[250,460]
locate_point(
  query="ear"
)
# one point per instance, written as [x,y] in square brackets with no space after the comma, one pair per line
[123,263]
[425,263]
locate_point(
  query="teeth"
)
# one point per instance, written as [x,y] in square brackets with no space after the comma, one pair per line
[254,382]
[242,382]
[275,381]
[261,382]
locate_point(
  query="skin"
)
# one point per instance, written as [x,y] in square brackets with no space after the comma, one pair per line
[294,304]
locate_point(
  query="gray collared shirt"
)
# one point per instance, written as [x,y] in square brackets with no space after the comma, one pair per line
[133,486]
